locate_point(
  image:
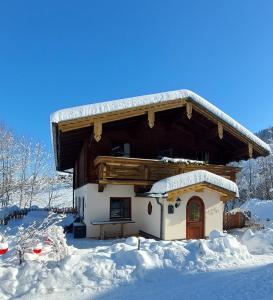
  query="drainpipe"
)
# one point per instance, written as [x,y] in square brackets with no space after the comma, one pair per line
[161,216]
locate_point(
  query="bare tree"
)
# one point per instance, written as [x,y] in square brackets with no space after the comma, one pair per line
[7,164]
[23,176]
[39,163]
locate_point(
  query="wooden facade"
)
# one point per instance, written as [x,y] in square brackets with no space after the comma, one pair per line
[181,125]
[93,161]
[176,129]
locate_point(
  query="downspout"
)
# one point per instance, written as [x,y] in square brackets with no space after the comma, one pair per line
[161,216]
[73,188]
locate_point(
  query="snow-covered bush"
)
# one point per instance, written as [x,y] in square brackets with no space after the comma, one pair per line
[45,235]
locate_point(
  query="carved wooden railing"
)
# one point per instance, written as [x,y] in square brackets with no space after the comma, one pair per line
[136,171]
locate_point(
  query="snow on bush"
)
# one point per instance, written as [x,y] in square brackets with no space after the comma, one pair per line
[41,240]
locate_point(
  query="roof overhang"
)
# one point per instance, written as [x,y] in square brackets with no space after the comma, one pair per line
[194,181]
[97,114]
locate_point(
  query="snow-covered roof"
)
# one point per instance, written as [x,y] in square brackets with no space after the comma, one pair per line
[134,102]
[162,187]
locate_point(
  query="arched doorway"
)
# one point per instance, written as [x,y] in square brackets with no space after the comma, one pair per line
[195,216]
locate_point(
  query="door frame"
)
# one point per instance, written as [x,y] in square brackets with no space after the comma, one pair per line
[200,200]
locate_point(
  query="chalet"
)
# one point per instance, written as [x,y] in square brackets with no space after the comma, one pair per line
[155,165]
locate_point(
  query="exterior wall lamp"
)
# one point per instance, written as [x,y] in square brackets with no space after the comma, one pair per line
[178,202]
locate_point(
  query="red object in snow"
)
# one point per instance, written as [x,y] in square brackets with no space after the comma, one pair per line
[3,251]
[37,251]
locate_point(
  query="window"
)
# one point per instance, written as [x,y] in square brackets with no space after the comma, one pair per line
[203,156]
[150,208]
[170,209]
[194,212]
[121,150]
[120,208]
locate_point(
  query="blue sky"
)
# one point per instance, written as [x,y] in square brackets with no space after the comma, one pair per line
[56,54]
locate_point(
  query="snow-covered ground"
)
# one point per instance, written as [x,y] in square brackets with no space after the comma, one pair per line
[62,198]
[225,266]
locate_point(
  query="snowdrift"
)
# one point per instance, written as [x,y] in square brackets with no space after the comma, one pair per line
[113,263]
[259,242]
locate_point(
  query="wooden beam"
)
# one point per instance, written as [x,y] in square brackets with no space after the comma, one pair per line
[97,130]
[119,115]
[250,150]
[189,110]
[224,194]
[101,187]
[151,118]
[220,130]
[228,128]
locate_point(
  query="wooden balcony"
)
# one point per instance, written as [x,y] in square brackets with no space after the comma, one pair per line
[144,172]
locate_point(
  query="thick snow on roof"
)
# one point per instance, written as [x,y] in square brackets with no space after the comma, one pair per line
[190,178]
[117,105]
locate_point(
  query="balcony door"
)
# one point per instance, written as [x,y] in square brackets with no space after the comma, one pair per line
[195,218]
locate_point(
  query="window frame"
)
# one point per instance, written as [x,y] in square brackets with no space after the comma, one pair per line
[129,199]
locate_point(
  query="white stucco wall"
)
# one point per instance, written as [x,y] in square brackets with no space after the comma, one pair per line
[97,208]
[148,223]
[175,224]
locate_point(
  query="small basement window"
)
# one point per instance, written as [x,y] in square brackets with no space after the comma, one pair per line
[120,208]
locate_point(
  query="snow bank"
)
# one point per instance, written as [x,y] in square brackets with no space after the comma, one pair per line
[258,242]
[190,178]
[117,105]
[108,265]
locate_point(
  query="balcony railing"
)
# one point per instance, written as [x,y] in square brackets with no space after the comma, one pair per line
[144,172]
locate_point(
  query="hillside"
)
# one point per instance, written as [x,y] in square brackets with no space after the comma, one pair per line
[266,135]
[256,177]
